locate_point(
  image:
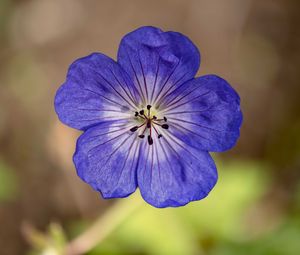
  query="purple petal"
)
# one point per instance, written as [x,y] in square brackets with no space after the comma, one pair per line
[157,61]
[205,113]
[96,90]
[171,174]
[106,158]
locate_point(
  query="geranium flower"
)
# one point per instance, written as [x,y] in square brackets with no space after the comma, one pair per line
[147,122]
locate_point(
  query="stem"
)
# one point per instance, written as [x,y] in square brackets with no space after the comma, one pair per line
[103,226]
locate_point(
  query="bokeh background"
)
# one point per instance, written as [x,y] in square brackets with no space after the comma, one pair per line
[255,207]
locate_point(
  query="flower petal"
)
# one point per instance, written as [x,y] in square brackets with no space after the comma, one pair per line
[96,90]
[172,174]
[205,113]
[157,61]
[106,158]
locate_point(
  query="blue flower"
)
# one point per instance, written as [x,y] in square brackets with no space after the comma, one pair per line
[147,121]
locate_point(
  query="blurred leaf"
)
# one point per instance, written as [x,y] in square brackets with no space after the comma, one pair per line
[8,183]
[5,10]
[57,236]
[178,230]
[77,227]
[158,232]
[240,184]
[283,241]
[51,243]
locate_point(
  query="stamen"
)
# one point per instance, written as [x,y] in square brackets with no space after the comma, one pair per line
[165,126]
[159,135]
[134,129]
[136,114]
[142,112]
[150,140]
[164,119]
[141,136]
[148,107]
[154,117]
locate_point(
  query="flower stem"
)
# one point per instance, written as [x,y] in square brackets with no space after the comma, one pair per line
[103,226]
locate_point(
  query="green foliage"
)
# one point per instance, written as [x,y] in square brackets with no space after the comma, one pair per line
[197,227]
[53,242]
[217,225]
[283,241]
[5,10]
[8,183]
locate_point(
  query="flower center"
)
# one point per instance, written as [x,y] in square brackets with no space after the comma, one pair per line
[149,122]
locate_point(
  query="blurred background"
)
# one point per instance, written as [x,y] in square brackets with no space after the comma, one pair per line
[45,207]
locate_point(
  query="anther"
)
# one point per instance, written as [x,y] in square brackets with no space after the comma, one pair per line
[134,129]
[165,126]
[165,119]
[150,140]
[141,136]
[136,114]
[142,112]
[149,106]
[154,117]
[160,135]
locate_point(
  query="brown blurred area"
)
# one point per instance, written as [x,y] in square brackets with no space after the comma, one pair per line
[253,44]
